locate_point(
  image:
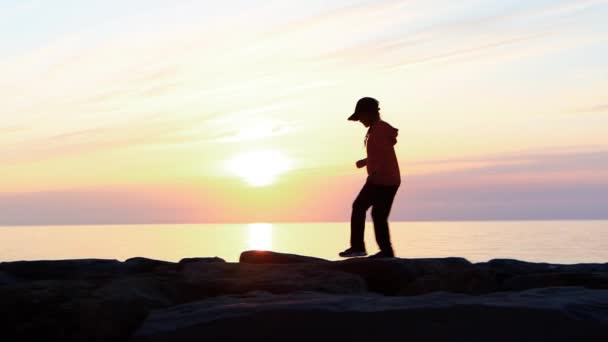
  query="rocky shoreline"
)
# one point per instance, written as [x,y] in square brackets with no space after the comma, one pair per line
[281,296]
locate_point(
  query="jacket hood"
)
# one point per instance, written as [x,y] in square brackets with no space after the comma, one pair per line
[385,129]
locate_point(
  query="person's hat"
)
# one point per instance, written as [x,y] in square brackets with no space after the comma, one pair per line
[365,104]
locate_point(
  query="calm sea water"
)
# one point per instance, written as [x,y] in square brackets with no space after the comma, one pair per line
[547,241]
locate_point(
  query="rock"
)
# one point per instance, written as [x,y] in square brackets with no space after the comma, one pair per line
[510,267]
[82,309]
[231,278]
[520,275]
[7,279]
[267,257]
[587,268]
[516,267]
[43,309]
[528,281]
[100,300]
[556,314]
[79,268]
[418,276]
[60,269]
[113,311]
[139,264]
[199,260]
[156,291]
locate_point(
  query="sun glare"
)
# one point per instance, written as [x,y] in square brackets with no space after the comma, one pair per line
[259,168]
[260,236]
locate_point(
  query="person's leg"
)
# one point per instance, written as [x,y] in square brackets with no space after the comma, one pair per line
[357,218]
[380,211]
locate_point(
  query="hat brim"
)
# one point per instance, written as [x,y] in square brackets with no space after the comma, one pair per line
[354,117]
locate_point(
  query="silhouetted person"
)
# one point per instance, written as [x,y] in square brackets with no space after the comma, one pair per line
[383,180]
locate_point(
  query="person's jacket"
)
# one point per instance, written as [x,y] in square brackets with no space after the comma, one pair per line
[382,165]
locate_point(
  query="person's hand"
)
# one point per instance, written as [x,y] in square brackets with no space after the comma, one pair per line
[361,163]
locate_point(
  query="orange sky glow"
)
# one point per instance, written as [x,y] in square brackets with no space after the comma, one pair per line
[201,112]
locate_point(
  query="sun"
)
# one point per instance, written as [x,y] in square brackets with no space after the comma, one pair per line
[259,168]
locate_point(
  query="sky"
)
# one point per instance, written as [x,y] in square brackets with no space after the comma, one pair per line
[235,111]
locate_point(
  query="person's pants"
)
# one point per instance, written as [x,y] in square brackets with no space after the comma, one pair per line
[380,198]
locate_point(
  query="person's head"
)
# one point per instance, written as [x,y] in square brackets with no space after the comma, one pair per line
[367,111]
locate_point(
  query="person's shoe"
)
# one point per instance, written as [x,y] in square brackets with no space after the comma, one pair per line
[351,252]
[382,255]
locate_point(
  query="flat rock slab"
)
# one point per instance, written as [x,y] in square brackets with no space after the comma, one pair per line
[553,314]
[269,257]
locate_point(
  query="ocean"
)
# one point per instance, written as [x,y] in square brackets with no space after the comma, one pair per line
[536,241]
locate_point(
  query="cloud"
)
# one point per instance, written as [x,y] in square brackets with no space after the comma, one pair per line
[548,184]
[470,50]
[12,129]
[540,156]
[199,88]
[600,108]
[470,36]
[544,168]
[18,7]
[87,141]
[567,184]
[102,206]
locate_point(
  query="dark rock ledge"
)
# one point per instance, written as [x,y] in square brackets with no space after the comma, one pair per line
[281,296]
